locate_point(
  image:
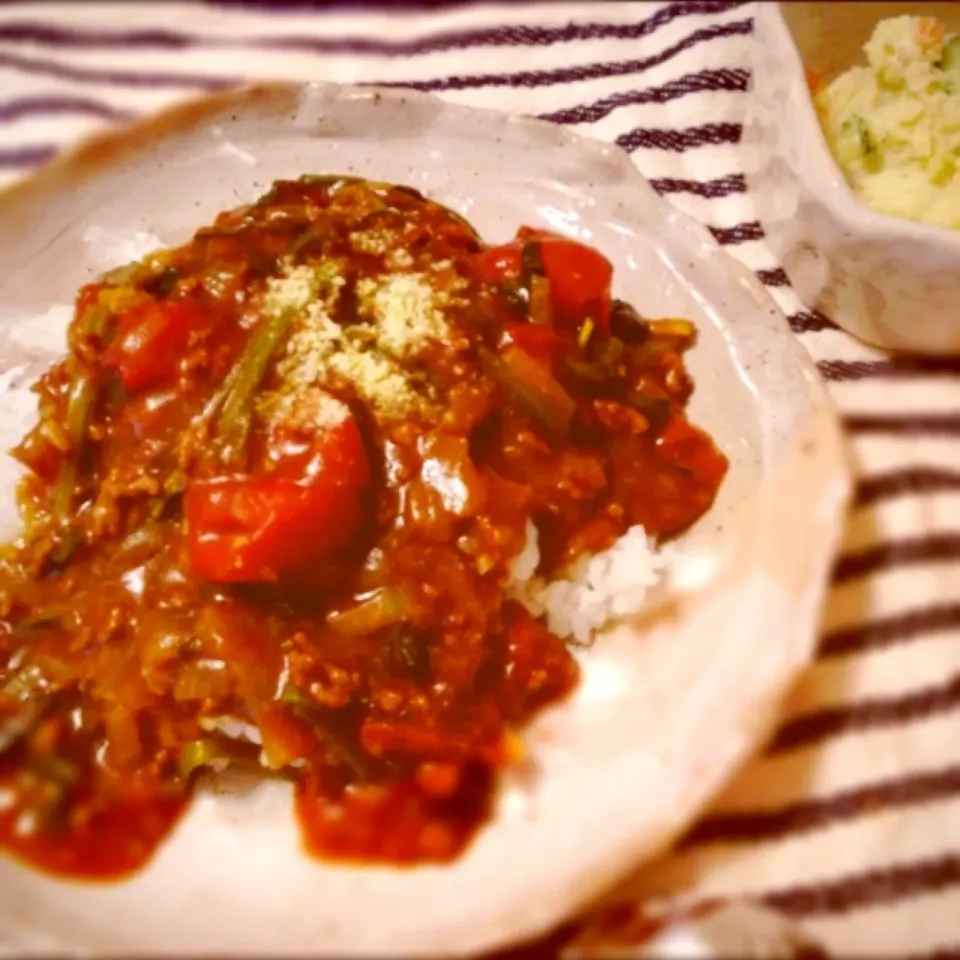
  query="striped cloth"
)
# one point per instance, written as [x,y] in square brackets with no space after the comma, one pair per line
[850,820]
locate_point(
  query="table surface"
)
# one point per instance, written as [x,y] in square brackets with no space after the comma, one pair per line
[849,821]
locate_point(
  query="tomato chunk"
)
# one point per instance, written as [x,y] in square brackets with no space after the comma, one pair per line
[150,342]
[256,528]
[538,340]
[814,80]
[538,666]
[691,448]
[580,277]
[496,264]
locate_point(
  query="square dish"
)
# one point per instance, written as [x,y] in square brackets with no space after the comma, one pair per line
[891,282]
[669,705]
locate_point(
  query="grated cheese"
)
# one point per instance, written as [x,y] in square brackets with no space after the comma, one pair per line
[379,381]
[299,287]
[302,410]
[399,313]
[400,259]
[407,311]
[322,352]
[374,242]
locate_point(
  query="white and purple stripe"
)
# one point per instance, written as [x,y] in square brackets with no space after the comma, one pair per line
[855,763]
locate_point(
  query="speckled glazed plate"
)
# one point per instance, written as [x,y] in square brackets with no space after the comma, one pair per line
[669,704]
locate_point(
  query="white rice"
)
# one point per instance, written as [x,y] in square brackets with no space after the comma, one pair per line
[231,728]
[593,591]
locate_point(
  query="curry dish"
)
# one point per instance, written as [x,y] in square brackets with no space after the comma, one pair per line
[270,508]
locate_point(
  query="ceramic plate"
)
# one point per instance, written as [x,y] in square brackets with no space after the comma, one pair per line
[669,704]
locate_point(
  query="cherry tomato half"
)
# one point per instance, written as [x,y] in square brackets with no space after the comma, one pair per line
[150,341]
[256,528]
[580,277]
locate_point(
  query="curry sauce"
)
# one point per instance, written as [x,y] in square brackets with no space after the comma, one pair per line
[272,502]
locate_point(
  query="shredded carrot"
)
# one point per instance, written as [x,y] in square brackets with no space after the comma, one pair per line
[814,79]
[930,30]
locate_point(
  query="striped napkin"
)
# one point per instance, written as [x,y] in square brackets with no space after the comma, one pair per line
[848,825]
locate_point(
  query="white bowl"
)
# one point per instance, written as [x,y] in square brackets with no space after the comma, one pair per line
[670,704]
[891,282]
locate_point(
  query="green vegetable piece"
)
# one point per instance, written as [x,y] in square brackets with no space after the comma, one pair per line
[128,274]
[655,409]
[609,353]
[80,410]
[80,404]
[236,416]
[950,61]
[163,283]
[294,696]
[14,729]
[453,215]
[156,507]
[59,770]
[866,142]
[214,404]
[29,685]
[318,232]
[175,483]
[93,323]
[82,399]
[68,542]
[37,622]
[585,370]
[197,754]
[382,608]
[329,727]
[532,385]
[59,778]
